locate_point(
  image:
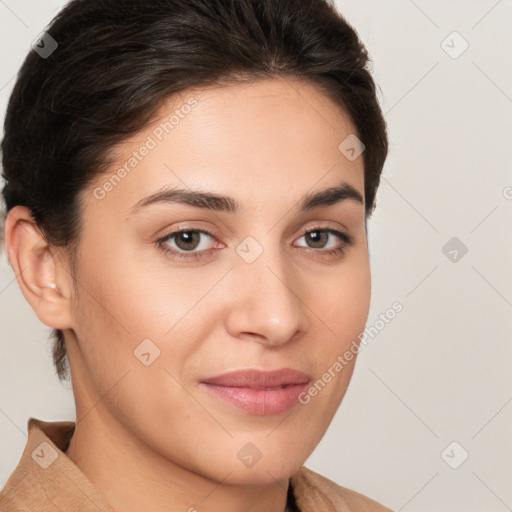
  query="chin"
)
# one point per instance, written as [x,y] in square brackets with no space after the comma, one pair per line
[264,468]
[261,474]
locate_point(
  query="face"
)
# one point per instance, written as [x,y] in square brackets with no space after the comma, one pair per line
[172,293]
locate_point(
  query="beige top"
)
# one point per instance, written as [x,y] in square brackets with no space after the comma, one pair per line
[46,479]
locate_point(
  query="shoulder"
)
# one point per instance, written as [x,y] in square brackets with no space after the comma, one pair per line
[15,495]
[315,492]
[45,478]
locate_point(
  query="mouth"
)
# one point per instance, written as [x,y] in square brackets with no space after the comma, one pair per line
[258,392]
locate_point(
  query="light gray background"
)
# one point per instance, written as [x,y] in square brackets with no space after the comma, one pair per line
[440,370]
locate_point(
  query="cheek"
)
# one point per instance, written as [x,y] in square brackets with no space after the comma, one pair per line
[124,301]
[342,305]
[342,300]
[131,295]
[355,293]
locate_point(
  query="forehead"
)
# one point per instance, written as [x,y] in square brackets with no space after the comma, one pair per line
[254,140]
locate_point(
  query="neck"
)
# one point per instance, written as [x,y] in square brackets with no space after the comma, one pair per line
[133,477]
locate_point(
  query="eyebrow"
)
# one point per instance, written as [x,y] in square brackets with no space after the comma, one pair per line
[208,200]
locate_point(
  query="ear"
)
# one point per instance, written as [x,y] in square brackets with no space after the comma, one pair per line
[41,271]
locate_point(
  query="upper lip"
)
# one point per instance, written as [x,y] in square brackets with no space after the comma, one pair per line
[253,378]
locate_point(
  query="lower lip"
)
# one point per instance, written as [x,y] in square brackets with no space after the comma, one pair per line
[258,401]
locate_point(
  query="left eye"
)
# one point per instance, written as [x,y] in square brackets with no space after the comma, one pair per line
[320,235]
[187,240]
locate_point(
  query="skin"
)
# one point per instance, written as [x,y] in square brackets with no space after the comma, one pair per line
[149,437]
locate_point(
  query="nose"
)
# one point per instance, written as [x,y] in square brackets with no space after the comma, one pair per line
[267,303]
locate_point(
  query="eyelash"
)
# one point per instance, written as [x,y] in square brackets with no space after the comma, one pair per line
[345,238]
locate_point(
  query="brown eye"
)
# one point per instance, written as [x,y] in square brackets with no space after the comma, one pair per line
[318,237]
[317,242]
[185,241]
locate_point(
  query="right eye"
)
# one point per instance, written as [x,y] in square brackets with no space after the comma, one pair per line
[186,240]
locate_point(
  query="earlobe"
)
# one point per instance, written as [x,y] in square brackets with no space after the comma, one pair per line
[36,267]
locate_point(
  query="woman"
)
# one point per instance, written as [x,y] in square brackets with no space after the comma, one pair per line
[187,188]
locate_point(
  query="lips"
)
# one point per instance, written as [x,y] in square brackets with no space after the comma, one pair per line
[258,379]
[258,392]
